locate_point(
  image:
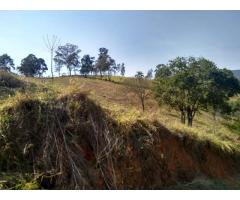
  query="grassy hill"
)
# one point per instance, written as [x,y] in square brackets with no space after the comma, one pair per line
[91,133]
[236,73]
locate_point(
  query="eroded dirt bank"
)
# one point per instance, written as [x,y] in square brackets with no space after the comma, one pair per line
[71,143]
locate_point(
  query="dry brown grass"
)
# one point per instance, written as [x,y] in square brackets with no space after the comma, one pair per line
[80,132]
[125,107]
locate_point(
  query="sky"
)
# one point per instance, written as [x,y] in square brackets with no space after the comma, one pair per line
[140,39]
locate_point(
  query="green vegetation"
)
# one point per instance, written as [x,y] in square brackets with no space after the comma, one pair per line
[16,181]
[71,114]
[9,80]
[87,65]
[9,84]
[67,55]
[6,63]
[190,84]
[32,66]
[88,132]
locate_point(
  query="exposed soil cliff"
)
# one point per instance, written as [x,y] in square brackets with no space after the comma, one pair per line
[71,143]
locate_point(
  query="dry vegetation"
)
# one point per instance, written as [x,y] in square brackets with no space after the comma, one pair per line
[116,140]
[125,107]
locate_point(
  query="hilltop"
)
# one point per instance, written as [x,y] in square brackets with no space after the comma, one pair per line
[87,133]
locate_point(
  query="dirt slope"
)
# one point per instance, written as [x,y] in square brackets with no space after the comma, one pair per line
[73,143]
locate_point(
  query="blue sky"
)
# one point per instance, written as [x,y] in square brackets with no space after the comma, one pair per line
[140,39]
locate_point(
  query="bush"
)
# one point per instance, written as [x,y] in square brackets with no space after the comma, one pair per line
[9,80]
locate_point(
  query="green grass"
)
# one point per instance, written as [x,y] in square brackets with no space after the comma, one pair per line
[18,181]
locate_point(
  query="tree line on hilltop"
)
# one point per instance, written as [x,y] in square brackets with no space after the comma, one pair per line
[186,84]
[67,56]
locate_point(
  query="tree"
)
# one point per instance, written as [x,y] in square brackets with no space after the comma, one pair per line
[32,66]
[104,62]
[187,85]
[139,75]
[68,55]
[223,85]
[42,67]
[112,67]
[51,45]
[235,108]
[122,69]
[86,65]
[116,68]
[6,63]
[149,74]
[140,86]
[162,71]
[58,65]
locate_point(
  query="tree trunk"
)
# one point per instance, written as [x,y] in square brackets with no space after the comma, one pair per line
[74,69]
[143,106]
[190,119]
[51,63]
[109,76]
[183,117]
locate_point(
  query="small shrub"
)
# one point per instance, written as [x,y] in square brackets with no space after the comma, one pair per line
[9,80]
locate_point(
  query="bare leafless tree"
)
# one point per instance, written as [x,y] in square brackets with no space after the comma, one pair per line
[51,44]
[139,85]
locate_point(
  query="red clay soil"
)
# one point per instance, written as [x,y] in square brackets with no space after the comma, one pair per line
[169,159]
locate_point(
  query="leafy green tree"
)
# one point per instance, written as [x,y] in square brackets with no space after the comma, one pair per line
[58,65]
[189,84]
[112,67]
[87,65]
[6,63]
[162,71]
[104,62]
[166,92]
[32,66]
[116,68]
[139,75]
[223,85]
[68,55]
[122,69]
[149,74]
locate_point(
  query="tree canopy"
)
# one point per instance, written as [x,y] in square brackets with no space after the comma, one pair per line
[104,62]
[87,65]
[32,66]
[122,69]
[190,84]
[6,63]
[68,55]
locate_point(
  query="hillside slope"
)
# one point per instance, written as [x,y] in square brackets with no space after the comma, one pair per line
[80,133]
